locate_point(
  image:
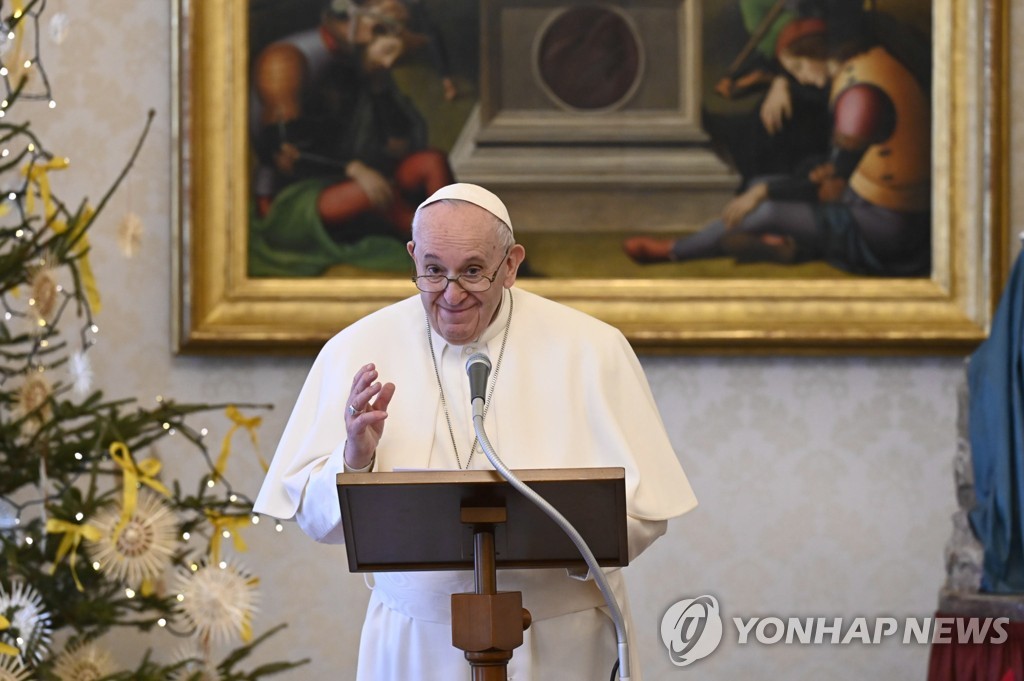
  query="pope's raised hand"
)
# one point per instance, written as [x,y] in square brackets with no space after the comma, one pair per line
[365,414]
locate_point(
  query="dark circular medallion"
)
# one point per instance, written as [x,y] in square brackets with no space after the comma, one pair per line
[589,58]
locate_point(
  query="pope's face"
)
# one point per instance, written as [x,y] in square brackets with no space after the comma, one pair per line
[452,239]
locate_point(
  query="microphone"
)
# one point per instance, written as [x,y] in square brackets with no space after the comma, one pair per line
[479,368]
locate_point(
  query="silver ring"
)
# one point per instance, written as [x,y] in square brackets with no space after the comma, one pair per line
[352,410]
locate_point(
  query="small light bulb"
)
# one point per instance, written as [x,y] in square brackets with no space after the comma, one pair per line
[161,622]
[210,483]
[255,520]
[28,64]
[194,567]
[79,516]
[181,597]
[96,566]
[78,455]
[222,565]
[4,71]
[28,540]
[94,328]
[12,196]
[129,593]
[226,534]
[167,426]
[233,498]
[31,146]
[279,527]
[204,432]
[53,104]
[20,641]
[185,536]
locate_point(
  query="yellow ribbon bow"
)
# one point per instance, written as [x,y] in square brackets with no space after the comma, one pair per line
[143,472]
[38,176]
[73,535]
[240,421]
[4,648]
[231,524]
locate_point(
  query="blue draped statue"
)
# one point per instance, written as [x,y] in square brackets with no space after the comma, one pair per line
[996,426]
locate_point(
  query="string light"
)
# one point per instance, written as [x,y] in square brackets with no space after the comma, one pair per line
[255,520]
[129,593]
[186,536]
[279,527]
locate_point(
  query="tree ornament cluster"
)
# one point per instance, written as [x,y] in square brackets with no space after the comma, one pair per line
[93,536]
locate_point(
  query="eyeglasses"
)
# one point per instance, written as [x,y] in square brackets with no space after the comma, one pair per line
[472,280]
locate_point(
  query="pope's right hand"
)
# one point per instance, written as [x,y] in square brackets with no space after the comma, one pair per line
[365,414]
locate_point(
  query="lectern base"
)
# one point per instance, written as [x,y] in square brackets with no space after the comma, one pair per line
[487,625]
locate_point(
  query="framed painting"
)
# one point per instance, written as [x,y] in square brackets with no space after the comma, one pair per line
[617,132]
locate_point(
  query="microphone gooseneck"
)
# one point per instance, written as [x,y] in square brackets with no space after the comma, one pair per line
[478,366]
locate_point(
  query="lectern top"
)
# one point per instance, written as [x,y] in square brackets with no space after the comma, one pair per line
[411,520]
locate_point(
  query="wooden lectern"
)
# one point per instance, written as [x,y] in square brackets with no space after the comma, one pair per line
[462,520]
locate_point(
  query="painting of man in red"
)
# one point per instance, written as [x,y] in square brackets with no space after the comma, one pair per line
[340,153]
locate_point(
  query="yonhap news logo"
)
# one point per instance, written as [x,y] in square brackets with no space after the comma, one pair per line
[691,629]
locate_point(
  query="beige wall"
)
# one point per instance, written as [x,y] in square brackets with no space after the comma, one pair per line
[825,484]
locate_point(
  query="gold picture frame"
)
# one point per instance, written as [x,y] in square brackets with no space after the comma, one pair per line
[217,307]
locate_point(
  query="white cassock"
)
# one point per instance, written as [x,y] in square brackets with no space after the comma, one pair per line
[569,392]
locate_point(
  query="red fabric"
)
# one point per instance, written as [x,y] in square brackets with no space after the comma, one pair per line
[796,29]
[863,112]
[979,661]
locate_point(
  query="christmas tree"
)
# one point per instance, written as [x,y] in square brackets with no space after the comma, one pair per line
[93,538]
